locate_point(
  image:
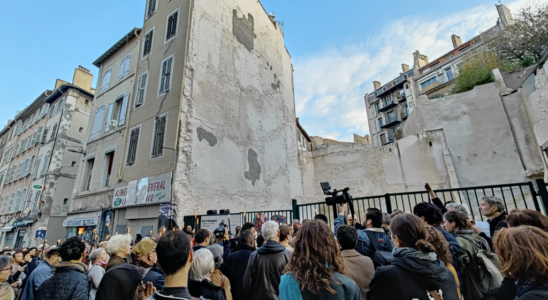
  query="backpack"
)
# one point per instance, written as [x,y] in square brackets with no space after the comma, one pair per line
[383,255]
[488,269]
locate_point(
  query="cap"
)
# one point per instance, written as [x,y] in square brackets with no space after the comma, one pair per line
[144,247]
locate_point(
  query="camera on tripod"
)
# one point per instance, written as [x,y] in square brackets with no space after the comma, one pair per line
[337,198]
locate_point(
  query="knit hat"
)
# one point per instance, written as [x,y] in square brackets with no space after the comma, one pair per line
[143,248]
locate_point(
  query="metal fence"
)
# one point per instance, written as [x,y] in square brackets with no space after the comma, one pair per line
[283,216]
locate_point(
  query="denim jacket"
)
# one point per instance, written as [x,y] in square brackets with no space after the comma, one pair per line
[364,245]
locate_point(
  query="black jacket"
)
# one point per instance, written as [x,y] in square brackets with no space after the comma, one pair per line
[506,291]
[205,289]
[69,282]
[120,282]
[497,224]
[540,293]
[264,271]
[234,269]
[411,278]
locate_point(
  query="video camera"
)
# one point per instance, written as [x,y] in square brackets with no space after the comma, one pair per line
[335,199]
[220,231]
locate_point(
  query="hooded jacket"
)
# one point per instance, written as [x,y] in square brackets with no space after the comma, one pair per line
[68,282]
[264,270]
[234,268]
[412,278]
[120,283]
[470,243]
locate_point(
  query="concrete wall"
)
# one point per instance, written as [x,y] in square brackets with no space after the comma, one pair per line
[237,143]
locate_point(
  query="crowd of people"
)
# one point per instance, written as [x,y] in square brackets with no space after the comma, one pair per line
[436,252]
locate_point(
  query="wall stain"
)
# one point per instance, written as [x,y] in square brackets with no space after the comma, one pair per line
[254,172]
[276,86]
[208,136]
[243,30]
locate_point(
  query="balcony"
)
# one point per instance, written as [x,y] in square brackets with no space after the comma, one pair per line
[387,107]
[390,87]
[391,123]
[401,97]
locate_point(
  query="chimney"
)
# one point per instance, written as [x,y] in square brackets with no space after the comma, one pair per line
[404,68]
[376,85]
[419,59]
[83,79]
[505,15]
[456,41]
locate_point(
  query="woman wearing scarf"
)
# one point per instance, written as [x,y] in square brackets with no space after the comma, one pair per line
[416,272]
[98,259]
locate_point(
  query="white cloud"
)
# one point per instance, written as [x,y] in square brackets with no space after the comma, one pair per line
[330,85]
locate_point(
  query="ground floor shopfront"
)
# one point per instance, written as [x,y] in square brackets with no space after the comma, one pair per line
[31,232]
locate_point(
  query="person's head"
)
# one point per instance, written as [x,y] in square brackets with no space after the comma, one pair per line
[271,231]
[247,238]
[458,208]
[316,258]
[409,231]
[98,254]
[202,265]
[238,230]
[174,253]
[18,257]
[396,212]
[119,245]
[285,232]
[428,213]
[53,257]
[351,221]
[522,251]
[491,207]
[518,217]
[260,240]
[454,221]
[32,251]
[217,252]
[296,224]
[249,226]
[441,247]
[27,257]
[321,217]
[145,251]
[72,249]
[104,245]
[386,220]
[347,237]
[189,229]
[5,267]
[202,237]
[372,218]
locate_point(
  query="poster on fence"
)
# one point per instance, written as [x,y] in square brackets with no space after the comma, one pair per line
[261,218]
[212,222]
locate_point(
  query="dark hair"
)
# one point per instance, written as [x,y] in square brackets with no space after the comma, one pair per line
[172,251]
[529,217]
[17,252]
[72,249]
[411,231]
[285,231]
[375,215]
[260,240]
[201,235]
[461,222]
[32,248]
[52,252]
[441,247]
[247,226]
[431,213]
[247,237]
[321,217]
[347,236]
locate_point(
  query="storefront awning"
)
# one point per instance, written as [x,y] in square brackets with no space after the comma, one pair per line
[83,219]
[22,223]
[8,228]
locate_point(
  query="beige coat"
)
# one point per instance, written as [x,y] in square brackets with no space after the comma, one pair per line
[221,280]
[360,268]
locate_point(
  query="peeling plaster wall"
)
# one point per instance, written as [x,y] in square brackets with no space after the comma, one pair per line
[237,141]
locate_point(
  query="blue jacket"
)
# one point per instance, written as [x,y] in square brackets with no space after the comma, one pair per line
[156,276]
[344,286]
[35,280]
[69,282]
[364,246]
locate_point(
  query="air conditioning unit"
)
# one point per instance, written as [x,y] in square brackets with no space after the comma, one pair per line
[113,123]
[440,72]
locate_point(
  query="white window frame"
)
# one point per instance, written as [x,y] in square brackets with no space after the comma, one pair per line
[154,134]
[98,134]
[147,16]
[105,181]
[172,56]
[53,131]
[136,147]
[144,90]
[46,163]
[178,11]
[124,64]
[103,87]
[153,29]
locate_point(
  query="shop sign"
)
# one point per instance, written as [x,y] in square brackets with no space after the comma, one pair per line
[37,187]
[149,190]
[21,223]
[79,222]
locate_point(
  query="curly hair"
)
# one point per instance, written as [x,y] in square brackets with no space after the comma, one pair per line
[315,258]
[411,231]
[431,213]
[441,247]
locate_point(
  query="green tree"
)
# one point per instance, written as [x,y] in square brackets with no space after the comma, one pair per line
[475,69]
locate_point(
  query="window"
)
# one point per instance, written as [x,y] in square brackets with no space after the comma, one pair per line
[390,117]
[159,136]
[165,76]
[8,175]
[53,131]
[73,164]
[2,177]
[89,172]
[36,201]
[12,200]
[449,73]
[17,202]
[105,83]
[383,139]
[380,123]
[46,162]
[377,107]
[81,129]
[97,122]
[151,7]
[388,101]
[171,26]
[44,135]
[132,149]
[53,110]
[147,46]
[37,166]
[141,89]
[124,67]
[28,204]
[429,82]
[87,102]
[38,135]
[29,165]
[116,112]
[16,150]
[109,160]
[24,145]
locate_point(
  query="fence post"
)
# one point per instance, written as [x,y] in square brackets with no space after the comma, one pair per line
[295,209]
[543,193]
[387,202]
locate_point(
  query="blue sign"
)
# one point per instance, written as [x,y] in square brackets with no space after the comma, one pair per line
[40,234]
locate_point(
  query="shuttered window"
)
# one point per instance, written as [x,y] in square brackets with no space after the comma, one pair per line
[28,169]
[12,200]
[97,122]
[133,141]
[172,21]
[37,166]
[124,67]
[44,135]
[151,8]
[159,136]
[147,47]
[141,90]
[46,162]
[165,79]
[109,116]
[36,201]
[105,83]
[53,131]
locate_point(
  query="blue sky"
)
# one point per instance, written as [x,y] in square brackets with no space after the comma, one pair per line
[337,49]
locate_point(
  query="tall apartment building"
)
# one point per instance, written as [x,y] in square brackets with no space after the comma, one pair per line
[210,120]
[41,172]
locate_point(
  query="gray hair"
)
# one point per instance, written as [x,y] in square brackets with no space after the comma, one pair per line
[494,201]
[5,261]
[201,265]
[95,254]
[386,218]
[458,208]
[270,230]
[217,252]
[117,242]
[296,221]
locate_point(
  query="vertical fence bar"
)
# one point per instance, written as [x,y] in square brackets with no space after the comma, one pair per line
[295,208]
[388,203]
[543,193]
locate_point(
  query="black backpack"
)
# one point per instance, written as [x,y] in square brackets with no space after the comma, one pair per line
[383,255]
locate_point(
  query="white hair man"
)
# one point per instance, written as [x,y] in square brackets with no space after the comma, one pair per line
[119,247]
[199,283]
[264,270]
[494,209]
